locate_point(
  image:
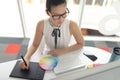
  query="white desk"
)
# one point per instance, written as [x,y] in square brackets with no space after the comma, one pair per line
[6,68]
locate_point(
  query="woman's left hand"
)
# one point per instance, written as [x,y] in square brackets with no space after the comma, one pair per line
[53,52]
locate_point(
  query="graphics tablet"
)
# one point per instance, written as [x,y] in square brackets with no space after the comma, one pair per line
[35,72]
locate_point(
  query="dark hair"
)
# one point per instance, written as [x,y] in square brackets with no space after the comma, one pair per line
[50,3]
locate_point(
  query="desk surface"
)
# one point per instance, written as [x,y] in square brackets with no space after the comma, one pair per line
[103,57]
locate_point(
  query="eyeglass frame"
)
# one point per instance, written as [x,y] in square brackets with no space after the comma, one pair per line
[61,15]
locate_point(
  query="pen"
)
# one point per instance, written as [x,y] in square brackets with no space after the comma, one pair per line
[24,61]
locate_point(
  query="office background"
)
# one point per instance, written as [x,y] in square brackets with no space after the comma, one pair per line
[98,19]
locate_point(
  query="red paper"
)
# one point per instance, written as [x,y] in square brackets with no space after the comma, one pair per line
[13,49]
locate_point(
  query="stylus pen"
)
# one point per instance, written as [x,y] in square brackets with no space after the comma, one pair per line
[24,61]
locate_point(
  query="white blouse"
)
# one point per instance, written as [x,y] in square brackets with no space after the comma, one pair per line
[62,41]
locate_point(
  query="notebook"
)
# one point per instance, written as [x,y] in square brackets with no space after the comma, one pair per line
[69,61]
[34,72]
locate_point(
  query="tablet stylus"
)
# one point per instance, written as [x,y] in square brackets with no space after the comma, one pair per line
[24,61]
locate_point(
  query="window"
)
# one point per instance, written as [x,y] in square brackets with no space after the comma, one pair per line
[101,18]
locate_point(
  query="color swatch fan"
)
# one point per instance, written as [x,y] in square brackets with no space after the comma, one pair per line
[48,62]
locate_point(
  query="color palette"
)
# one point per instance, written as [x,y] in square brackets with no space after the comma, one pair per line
[48,62]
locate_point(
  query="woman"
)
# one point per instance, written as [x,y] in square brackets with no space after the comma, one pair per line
[57,31]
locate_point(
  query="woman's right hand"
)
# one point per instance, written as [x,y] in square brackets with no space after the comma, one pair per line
[23,66]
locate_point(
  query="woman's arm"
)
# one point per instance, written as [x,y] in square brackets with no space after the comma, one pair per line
[76,32]
[34,46]
[36,41]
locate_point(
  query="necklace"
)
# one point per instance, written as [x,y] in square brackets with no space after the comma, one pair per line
[53,24]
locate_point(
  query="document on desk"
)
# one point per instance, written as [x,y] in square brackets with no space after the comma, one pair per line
[69,61]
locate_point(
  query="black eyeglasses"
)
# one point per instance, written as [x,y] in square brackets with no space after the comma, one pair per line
[64,15]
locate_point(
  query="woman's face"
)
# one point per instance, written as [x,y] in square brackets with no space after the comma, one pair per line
[58,14]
